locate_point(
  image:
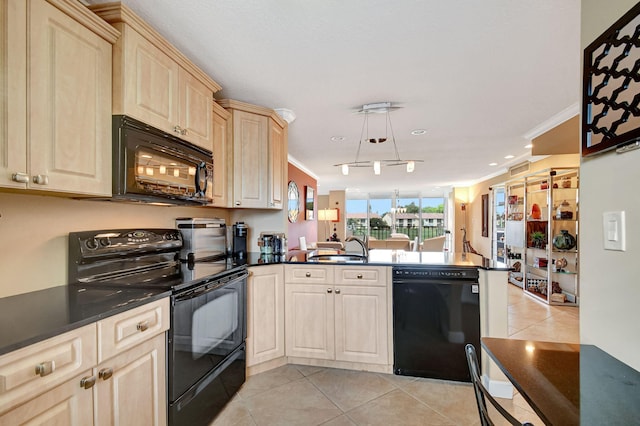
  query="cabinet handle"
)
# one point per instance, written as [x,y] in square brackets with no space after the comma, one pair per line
[105,373]
[359,276]
[177,129]
[308,275]
[183,131]
[41,179]
[87,382]
[142,325]
[45,368]
[20,177]
[337,291]
[329,290]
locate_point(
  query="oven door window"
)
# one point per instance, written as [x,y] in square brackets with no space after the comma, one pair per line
[157,172]
[206,329]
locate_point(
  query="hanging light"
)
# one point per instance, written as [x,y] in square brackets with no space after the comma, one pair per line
[378,107]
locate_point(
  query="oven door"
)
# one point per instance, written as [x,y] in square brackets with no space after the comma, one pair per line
[207,326]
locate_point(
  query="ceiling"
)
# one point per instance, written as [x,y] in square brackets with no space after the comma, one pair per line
[479,76]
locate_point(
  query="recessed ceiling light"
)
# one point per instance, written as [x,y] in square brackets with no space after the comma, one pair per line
[337,138]
[529,146]
[508,156]
[418,132]
[493,164]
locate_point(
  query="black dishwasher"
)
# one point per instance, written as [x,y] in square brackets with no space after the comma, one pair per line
[436,312]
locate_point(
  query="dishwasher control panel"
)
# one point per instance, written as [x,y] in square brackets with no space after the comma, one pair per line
[430,273]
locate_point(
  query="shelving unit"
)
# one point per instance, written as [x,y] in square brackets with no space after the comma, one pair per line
[514,229]
[550,271]
[499,219]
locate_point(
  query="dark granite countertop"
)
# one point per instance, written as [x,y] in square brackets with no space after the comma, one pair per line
[32,317]
[569,384]
[381,257]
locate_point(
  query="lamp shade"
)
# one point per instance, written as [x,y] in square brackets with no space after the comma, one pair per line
[329,215]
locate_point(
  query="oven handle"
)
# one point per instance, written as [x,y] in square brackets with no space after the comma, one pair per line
[209,287]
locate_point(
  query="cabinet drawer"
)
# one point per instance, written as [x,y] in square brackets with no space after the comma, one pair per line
[308,274]
[129,328]
[367,275]
[30,371]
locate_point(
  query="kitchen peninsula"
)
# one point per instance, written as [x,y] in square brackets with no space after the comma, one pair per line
[340,315]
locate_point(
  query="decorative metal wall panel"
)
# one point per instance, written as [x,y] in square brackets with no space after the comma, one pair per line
[611,86]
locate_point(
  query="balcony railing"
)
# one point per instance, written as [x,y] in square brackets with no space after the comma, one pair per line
[384,233]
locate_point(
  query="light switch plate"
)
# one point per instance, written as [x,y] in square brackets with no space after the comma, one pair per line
[613,230]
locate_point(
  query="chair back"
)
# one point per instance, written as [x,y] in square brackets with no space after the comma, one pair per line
[482,394]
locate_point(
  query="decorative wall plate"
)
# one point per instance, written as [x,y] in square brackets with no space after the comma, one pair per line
[293,204]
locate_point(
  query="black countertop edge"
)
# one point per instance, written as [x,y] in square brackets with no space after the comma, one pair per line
[33,317]
[384,258]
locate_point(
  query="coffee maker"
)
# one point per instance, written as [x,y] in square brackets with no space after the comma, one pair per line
[240,231]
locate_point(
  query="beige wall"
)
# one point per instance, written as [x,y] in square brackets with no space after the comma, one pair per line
[34,233]
[609,280]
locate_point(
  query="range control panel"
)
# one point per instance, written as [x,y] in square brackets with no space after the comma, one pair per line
[97,243]
[430,273]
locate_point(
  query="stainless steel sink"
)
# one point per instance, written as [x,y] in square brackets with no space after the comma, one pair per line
[337,258]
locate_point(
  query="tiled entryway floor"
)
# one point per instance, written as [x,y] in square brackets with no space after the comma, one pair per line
[301,395]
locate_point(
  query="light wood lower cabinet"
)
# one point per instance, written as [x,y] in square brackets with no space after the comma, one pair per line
[265,314]
[130,386]
[60,381]
[328,319]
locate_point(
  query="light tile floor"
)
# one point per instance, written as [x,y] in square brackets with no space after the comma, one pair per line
[301,395]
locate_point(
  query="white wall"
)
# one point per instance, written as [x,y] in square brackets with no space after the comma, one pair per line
[609,280]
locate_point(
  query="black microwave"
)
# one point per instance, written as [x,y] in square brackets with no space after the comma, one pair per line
[152,166]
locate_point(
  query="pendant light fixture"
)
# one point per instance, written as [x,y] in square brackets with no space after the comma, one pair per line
[377,108]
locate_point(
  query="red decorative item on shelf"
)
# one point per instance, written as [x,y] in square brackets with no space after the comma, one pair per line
[536,213]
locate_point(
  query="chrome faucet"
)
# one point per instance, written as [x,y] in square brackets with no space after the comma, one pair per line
[365,250]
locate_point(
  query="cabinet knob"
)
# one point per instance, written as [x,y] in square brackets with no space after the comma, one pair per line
[359,276]
[178,130]
[308,275]
[329,290]
[20,177]
[142,325]
[105,373]
[237,203]
[337,291]
[87,382]
[183,131]
[45,368]
[41,179]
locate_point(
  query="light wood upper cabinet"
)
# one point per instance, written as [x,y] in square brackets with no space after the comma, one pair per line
[65,53]
[278,164]
[156,83]
[265,314]
[259,153]
[222,155]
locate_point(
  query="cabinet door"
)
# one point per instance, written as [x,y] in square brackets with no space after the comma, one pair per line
[13,98]
[221,148]
[149,89]
[265,314]
[65,405]
[310,321]
[69,92]
[131,387]
[277,164]
[361,324]
[194,111]
[250,159]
